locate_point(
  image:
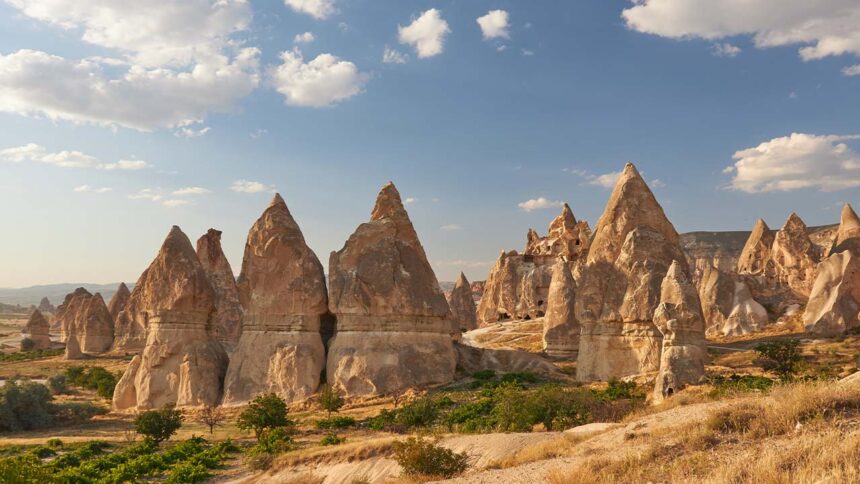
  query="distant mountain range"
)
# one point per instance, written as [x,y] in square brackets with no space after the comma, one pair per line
[26,296]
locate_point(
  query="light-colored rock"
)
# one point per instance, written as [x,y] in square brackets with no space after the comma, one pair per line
[182,363]
[282,288]
[68,310]
[561,329]
[227,322]
[462,305]
[679,318]
[38,331]
[73,348]
[848,233]
[747,315]
[393,326]
[566,237]
[756,253]
[118,301]
[834,305]
[87,316]
[631,251]
[473,359]
[728,305]
[794,257]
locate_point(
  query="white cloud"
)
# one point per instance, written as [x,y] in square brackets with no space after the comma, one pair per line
[606,180]
[33,152]
[799,160]
[127,165]
[324,81]
[656,183]
[305,38]
[527,53]
[89,189]
[191,191]
[501,48]
[247,186]
[152,194]
[822,28]
[852,70]
[725,49]
[258,133]
[189,132]
[426,33]
[409,200]
[538,203]
[174,203]
[391,56]
[171,63]
[494,25]
[450,227]
[319,9]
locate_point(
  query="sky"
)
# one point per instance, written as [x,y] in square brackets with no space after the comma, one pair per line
[120,119]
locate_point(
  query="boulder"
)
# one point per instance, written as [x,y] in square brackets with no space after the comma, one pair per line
[462,305]
[227,322]
[38,330]
[633,246]
[834,305]
[393,326]
[848,233]
[119,300]
[87,316]
[560,327]
[679,318]
[282,289]
[181,363]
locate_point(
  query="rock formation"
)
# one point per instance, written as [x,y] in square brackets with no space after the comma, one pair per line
[45,306]
[73,349]
[462,305]
[181,363]
[566,237]
[631,251]
[848,234]
[794,257]
[87,316]
[37,330]
[473,359]
[728,306]
[679,318]
[560,327]
[756,253]
[119,300]
[282,288]
[392,318]
[227,322]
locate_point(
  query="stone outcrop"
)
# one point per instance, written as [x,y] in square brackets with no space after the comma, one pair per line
[393,328]
[706,250]
[747,315]
[473,359]
[728,306]
[756,253]
[227,322]
[87,317]
[848,233]
[181,363]
[38,330]
[566,237]
[282,288]
[794,257]
[73,348]
[463,312]
[119,300]
[45,306]
[631,251]
[68,309]
[679,318]
[560,327]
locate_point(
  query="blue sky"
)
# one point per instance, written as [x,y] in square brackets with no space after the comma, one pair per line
[119,122]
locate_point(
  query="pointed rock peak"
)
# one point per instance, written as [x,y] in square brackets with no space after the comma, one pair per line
[462,281]
[122,288]
[388,204]
[676,271]
[760,226]
[177,245]
[567,215]
[794,222]
[848,219]
[209,247]
[277,201]
[36,318]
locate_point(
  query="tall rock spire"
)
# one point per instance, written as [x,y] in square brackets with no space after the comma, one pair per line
[756,252]
[848,234]
[462,305]
[560,327]
[119,300]
[227,322]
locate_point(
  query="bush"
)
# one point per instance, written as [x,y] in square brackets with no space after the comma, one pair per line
[618,390]
[43,452]
[330,399]
[556,408]
[511,410]
[264,413]
[27,344]
[29,355]
[781,357]
[520,377]
[383,421]
[54,443]
[76,412]
[419,457]
[93,378]
[276,441]
[484,375]
[57,384]
[332,439]
[739,383]
[419,413]
[158,425]
[188,473]
[25,406]
[337,422]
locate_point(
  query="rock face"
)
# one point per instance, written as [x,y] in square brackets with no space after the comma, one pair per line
[756,253]
[631,251]
[227,322]
[45,306]
[393,329]
[462,305]
[37,330]
[848,234]
[282,288]
[719,250]
[73,349]
[728,306]
[181,363]
[560,328]
[119,300]
[566,237]
[87,317]
[794,257]
[679,318]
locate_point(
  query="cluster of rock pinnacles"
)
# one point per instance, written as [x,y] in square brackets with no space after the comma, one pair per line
[621,301]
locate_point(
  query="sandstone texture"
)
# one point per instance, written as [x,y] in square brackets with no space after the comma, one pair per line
[848,234]
[679,318]
[38,330]
[393,326]
[728,306]
[560,328]
[87,317]
[756,252]
[73,349]
[282,289]
[566,237]
[794,257]
[462,305]
[227,321]
[473,359]
[633,246]
[181,363]
[119,300]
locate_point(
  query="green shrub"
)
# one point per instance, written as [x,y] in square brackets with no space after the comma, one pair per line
[188,473]
[54,443]
[739,384]
[419,457]
[76,412]
[29,355]
[618,390]
[471,417]
[265,412]
[337,422]
[330,399]
[484,375]
[57,384]
[782,357]
[92,378]
[520,377]
[24,469]
[418,413]
[512,411]
[27,344]
[25,405]
[383,421]
[332,439]
[158,425]
[43,452]
[557,408]
[276,441]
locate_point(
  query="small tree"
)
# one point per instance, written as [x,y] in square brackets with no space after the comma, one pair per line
[211,417]
[158,425]
[330,399]
[264,413]
[781,357]
[420,457]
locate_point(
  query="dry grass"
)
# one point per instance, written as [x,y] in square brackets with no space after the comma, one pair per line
[557,447]
[348,452]
[307,478]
